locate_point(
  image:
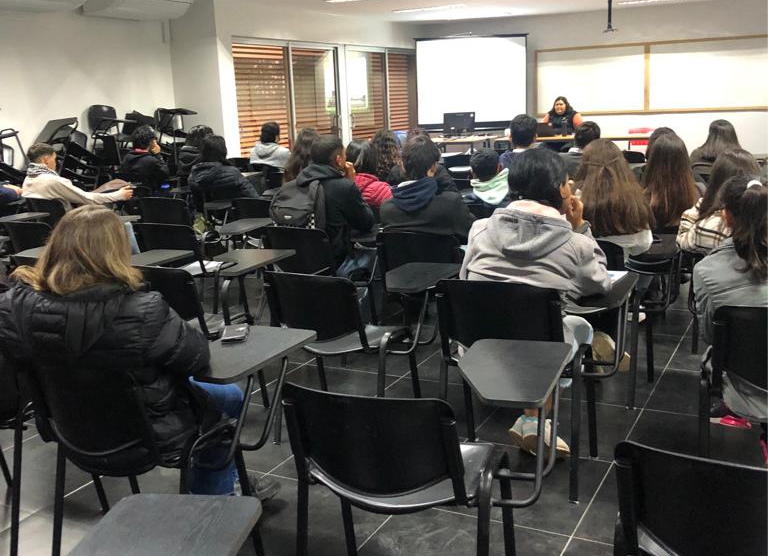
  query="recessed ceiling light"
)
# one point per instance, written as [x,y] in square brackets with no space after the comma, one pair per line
[430,9]
[340,1]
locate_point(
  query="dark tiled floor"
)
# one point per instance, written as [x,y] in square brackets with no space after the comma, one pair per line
[665,417]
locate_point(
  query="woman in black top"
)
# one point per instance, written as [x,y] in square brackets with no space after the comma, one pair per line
[563,116]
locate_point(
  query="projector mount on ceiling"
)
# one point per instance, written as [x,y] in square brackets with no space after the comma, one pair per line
[609,28]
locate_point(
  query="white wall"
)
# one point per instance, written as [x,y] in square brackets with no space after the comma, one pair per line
[721,18]
[55,65]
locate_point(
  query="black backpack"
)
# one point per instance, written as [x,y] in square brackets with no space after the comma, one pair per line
[299,206]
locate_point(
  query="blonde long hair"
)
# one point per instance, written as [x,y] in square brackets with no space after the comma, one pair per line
[88,246]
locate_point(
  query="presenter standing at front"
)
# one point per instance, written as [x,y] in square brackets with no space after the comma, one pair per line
[563,116]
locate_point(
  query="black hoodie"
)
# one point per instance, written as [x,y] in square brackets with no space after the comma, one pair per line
[220,181]
[147,168]
[345,209]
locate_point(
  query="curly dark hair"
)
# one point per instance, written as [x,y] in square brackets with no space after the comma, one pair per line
[387,152]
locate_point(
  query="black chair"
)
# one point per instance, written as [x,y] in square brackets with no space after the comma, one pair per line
[15,410]
[389,456]
[82,167]
[242,163]
[313,256]
[480,210]
[471,310]
[702,171]
[11,174]
[102,120]
[739,348]
[177,236]
[164,210]
[634,157]
[329,306]
[397,248]
[99,423]
[273,176]
[657,292]
[27,235]
[54,207]
[688,263]
[249,207]
[672,503]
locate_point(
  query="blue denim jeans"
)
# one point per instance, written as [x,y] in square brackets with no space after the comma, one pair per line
[228,398]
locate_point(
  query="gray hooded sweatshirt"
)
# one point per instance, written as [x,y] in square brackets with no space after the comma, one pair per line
[531,243]
[270,154]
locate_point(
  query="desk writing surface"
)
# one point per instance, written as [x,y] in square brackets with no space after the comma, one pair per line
[249,260]
[514,373]
[264,345]
[24,217]
[413,278]
[620,291]
[159,257]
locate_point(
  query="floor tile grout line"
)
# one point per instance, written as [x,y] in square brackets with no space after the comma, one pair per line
[23,440]
[593,541]
[278,465]
[362,544]
[629,433]
[528,527]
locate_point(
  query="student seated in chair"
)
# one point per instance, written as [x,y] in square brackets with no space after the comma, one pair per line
[735,273]
[43,182]
[489,179]
[345,209]
[81,304]
[215,177]
[416,206]
[189,155]
[268,149]
[522,134]
[144,160]
[363,156]
[442,176]
[584,135]
[541,240]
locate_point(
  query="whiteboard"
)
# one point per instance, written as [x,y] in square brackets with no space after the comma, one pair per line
[594,79]
[709,74]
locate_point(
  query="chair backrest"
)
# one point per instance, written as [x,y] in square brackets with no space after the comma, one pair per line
[164,210]
[739,344]
[8,172]
[379,446]
[27,235]
[326,304]
[456,160]
[273,176]
[614,254]
[248,207]
[168,236]
[690,505]
[313,249]
[179,290]
[398,248]
[101,117]
[242,163]
[54,208]
[481,210]
[471,310]
[634,157]
[94,413]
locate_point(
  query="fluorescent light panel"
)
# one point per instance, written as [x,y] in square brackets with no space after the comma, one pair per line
[635,2]
[430,9]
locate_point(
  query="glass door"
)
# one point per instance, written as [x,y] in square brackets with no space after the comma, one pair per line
[315,89]
[366,92]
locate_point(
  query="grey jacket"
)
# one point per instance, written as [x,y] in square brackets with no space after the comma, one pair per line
[270,154]
[717,282]
[529,243]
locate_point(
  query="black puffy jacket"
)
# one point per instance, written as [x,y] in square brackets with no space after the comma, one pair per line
[220,181]
[113,329]
[146,167]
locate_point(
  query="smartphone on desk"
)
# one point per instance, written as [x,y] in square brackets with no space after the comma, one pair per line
[235,333]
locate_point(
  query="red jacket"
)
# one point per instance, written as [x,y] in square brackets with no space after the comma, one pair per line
[374,190]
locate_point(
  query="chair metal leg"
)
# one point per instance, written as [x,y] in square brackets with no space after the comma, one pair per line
[507,518]
[263,388]
[471,434]
[258,546]
[16,489]
[242,473]
[633,333]
[415,375]
[102,495]
[6,471]
[134,484]
[578,384]
[649,346]
[302,518]
[372,305]
[321,373]
[58,501]
[695,335]
[591,416]
[484,512]
[443,379]
[349,528]
[704,416]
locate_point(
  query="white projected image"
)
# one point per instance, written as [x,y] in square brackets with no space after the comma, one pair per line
[485,75]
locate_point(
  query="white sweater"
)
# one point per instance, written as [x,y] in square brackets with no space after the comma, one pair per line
[50,186]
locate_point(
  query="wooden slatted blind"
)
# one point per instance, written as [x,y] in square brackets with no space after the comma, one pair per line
[402,91]
[371,119]
[262,91]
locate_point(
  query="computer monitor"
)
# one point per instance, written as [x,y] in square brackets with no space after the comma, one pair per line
[458,123]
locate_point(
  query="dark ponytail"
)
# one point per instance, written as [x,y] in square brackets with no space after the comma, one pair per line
[746,198]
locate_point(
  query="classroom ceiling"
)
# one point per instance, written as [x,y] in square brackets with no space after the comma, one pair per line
[448,10]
